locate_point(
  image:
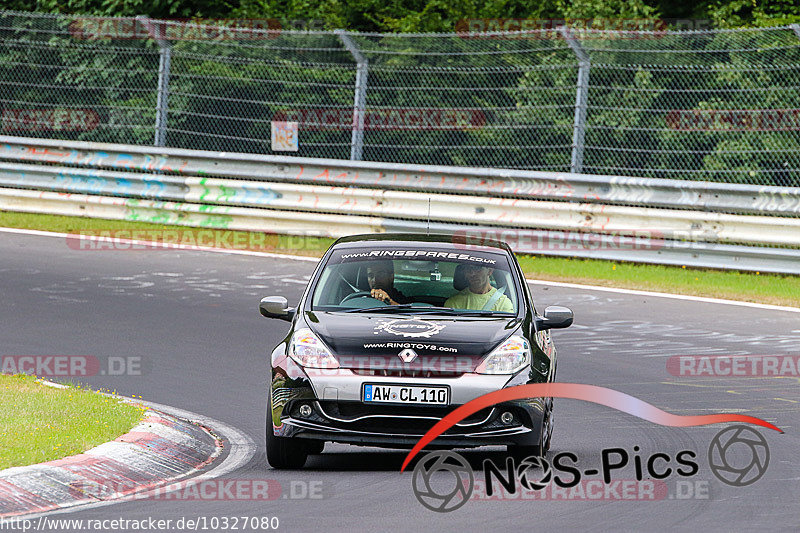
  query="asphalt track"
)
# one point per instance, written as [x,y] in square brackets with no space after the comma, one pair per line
[192,318]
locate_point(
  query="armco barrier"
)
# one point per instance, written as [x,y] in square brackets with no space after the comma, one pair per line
[347,200]
[502,183]
[694,223]
[234,218]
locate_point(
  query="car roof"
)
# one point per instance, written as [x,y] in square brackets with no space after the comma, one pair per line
[456,240]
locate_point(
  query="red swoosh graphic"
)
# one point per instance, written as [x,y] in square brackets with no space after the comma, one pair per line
[578,391]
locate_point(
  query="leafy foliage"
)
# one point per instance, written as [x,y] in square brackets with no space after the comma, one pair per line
[224,93]
[427,15]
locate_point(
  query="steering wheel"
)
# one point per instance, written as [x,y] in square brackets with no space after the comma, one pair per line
[359,294]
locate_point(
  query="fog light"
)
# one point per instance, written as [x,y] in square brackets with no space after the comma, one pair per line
[507,418]
[305,410]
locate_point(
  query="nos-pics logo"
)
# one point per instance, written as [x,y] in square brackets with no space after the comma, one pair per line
[444,481]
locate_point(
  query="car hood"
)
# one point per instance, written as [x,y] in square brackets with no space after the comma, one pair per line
[359,335]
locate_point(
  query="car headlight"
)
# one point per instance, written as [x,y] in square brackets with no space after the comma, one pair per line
[508,358]
[308,351]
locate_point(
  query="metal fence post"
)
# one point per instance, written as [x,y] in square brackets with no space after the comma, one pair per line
[164,63]
[796,28]
[581,100]
[360,99]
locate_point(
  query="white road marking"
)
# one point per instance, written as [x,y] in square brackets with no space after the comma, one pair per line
[665,295]
[154,244]
[314,260]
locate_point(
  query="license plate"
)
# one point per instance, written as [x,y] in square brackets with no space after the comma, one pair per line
[379,393]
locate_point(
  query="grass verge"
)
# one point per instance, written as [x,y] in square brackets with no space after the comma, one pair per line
[263,242]
[40,423]
[751,287]
[732,285]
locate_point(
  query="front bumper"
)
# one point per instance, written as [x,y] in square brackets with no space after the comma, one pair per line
[339,415]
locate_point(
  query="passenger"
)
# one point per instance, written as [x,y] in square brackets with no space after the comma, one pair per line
[479,292]
[380,276]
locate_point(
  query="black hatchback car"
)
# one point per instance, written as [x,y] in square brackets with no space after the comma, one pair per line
[393,332]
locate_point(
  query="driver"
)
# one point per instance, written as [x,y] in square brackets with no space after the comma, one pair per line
[380,276]
[479,292]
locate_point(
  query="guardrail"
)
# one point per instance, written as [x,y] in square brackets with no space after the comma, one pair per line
[502,183]
[621,218]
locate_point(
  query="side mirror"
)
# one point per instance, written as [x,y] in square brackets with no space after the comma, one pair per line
[276,307]
[555,317]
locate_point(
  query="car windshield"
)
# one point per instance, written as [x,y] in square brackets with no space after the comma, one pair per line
[416,280]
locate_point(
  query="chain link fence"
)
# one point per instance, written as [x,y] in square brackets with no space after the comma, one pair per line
[696,105]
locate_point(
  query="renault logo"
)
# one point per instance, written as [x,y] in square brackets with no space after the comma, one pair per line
[407,355]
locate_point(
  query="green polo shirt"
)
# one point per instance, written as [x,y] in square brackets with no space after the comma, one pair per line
[467,299]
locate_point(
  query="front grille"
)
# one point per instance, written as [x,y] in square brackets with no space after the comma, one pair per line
[398,419]
[354,410]
[407,373]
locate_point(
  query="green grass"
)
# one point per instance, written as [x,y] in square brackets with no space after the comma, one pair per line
[751,287]
[40,423]
[302,245]
[733,285]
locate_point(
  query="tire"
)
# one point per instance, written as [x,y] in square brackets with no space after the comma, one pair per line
[548,436]
[315,447]
[521,452]
[284,453]
[539,450]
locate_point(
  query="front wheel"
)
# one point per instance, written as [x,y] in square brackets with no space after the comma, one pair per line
[540,450]
[315,447]
[522,452]
[547,436]
[284,453]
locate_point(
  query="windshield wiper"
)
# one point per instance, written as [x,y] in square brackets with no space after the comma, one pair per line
[473,312]
[421,310]
[384,308]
